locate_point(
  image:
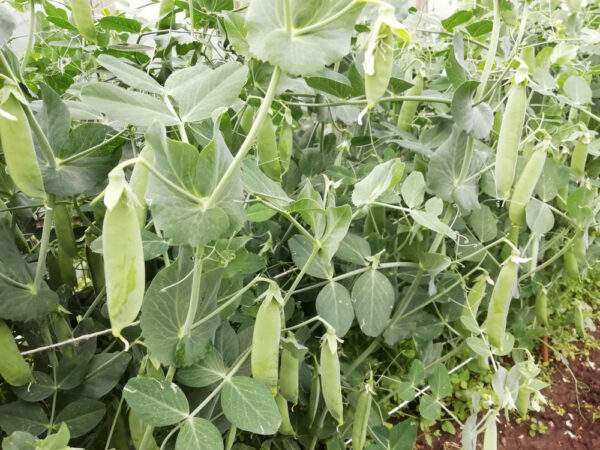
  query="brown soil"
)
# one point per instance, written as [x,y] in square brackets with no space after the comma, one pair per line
[572,415]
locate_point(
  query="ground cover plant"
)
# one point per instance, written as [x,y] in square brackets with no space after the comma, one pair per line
[290,224]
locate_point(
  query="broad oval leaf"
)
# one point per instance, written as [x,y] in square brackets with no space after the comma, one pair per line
[156,402]
[539,217]
[134,77]
[373,300]
[198,433]
[335,306]
[21,416]
[381,179]
[81,416]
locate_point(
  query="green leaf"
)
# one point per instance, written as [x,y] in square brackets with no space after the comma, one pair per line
[413,189]
[539,216]
[198,433]
[416,373]
[337,224]
[259,213]
[301,249]
[335,306]
[152,244]
[434,263]
[130,75]
[404,435]
[105,371]
[429,408]
[439,380]
[477,120]
[579,206]
[71,372]
[258,184]
[164,312]
[458,18]
[373,300]
[379,181]
[19,440]
[249,405]
[198,91]
[478,346]
[120,24]
[126,106]
[354,249]
[81,416]
[308,46]
[21,416]
[59,440]
[455,64]
[236,31]
[207,371]
[480,28]
[54,118]
[41,388]
[578,90]
[7,24]
[330,82]
[431,222]
[483,222]
[553,178]
[156,402]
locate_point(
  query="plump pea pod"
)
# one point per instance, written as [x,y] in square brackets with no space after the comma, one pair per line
[268,155]
[541,307]
[571,266]
[578,158]
[523,400]
[315,395]
[286,427]
[579,322]
[13,368]
[525,186]
[490,437]
[476,294]
[361,418]
[66,268]
[247,118]
[265,344]
[377,76]
[63,332]
[579,249]
[500,303]
[286,145]
[534,251]
[139,183]
[19,152]
[483,363]
[64,230]
[289,376]
[509,138]
[123,254]
[562,197]
[84,21]
[166,6]
[331,383]
[409,109]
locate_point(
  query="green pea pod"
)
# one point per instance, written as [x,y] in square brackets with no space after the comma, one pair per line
[579,322]
[166,6]
[578,158]
[409,108]
[268,155]
[509,138]
[66,268]
[483,363]
[315,395]
[579,249]
[247,118]
[62,331]
[137,429]
[286,145]
[139,183]
[95,265]
[64,230]
[13,368]
[476,294]
[541,307]
[265,344]
[84,20]
[500,303]
[490,436]
[534,251]
[286,427]
[525,186]
[523,400]
[562,197]
[330,378]
[377,76]
[123,254]
[571,266]
[361,418]
[19,152]
[289,376]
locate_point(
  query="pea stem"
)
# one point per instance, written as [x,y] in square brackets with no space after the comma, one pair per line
[249,141]
[90,150]
[30,34]
[12,282]
[299,277]
[45,241]
[359,102]
[195,293]
[291,219]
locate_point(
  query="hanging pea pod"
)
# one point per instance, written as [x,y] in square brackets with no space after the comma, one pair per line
[579,322]
[266,145]
[579,157]
[64,230]
[123,254]
[286,145]
[84,19]
[289,372]
[265,343]
[315,395]
[331,378]
[19,151]
[509,138]
[13,368]
[139,183]
[247,118]
[523,401]
[409,108]
[63,332]
[541,307]
[476,294]
[286,427]
[361,417]
[66,268]
[379,58]
[500,303]
[571,266]
[525,186]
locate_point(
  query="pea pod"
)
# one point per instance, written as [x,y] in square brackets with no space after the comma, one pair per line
[523,400]
[84,20]
[315,395]
[289,374]
[331,383]
[19,152]
[286,145]
[500,303]
[247,118]
[265,344]
[123,254]
[509,138]
[541,307]
[378,68]
[63,332]
[361,418]
[578,158]
[166,6]
[266,145]
[579,249]
[139,183]
[571,266]
[64,230]
[13,368]
[579,322]
[525,186]
[476,294]
[409,108]
[66,268]
[286,427]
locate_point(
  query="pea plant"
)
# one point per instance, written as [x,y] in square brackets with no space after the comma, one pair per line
[285,224]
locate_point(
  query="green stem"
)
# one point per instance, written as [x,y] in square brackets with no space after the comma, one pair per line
[45,241]
[249,141]
[291,219]
[366,352]
[195,293]
[12,282]
[94,304]
[41,137]
[90,150]
[549,261]
[29,44]
[299,277]
[359,102]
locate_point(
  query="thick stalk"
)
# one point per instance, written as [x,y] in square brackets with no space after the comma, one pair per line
[29,36]
[40,269]
[195,293]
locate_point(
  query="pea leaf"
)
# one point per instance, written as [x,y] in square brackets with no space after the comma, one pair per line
[578,89]
[81,416]
[381,179]
[373,299]
[207,371]
[483,223]
[458,18]
[198,433]
[539,217]
[105,371]
[429,408]
[404,435]
[330,82]
[335,306]
[354,249]
[413,189]
[156,402]
[132,76]
[21,416]
[301,249]
[439,380]
[474,119]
